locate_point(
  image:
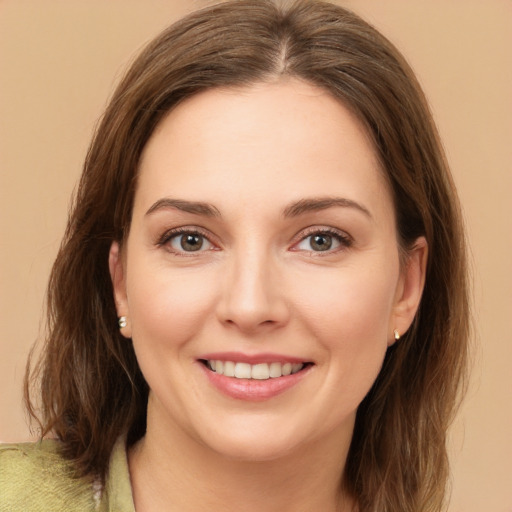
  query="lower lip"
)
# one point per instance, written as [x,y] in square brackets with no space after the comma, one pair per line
[253,390]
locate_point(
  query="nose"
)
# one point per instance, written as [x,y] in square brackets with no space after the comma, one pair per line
[253,296]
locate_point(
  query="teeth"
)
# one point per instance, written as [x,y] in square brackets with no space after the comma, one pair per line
[242,371]
[261,371]
[296,367]
[275,370]
[229,368]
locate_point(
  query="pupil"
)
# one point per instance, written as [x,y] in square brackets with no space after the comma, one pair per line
[321,242]
[191,242]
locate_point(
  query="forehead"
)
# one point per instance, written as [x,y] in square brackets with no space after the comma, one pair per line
[283,140]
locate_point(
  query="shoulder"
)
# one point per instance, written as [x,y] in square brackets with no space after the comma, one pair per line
[34,477]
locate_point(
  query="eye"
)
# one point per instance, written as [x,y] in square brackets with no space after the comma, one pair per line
[186,241]
[323,241]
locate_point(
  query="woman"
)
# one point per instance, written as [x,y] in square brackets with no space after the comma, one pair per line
[260,300]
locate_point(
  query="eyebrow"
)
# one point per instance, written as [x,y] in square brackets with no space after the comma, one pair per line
[293,210]
[196,207]
[322,203]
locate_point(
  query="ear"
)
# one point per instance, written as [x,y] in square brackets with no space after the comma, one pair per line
[409,289]
[117,274]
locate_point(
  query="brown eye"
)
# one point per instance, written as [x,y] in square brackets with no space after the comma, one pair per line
[322,242]
[319,242]
[189,242]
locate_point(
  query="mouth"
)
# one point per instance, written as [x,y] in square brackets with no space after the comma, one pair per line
[253,377]
[259,371]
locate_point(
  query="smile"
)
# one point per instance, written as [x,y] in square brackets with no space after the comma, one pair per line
[253,377]
[260,371]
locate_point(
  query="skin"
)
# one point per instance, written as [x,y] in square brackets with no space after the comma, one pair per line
[258,285]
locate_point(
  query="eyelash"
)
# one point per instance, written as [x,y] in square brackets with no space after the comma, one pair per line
[164,240]
[345,241]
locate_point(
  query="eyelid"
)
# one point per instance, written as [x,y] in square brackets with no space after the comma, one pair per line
[167,235]
[342,237]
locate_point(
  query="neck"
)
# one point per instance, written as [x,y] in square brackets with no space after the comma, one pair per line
[171,472]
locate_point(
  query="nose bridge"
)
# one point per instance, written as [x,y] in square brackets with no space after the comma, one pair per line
[252,294]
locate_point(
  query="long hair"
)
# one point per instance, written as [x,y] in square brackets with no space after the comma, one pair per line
[90,384]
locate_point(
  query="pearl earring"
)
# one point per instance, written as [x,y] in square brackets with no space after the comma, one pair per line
[122,322]
[397,334]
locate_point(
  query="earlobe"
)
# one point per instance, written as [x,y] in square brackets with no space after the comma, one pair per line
[409,290]
[117,275]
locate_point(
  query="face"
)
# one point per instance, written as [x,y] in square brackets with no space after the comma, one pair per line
[261,276]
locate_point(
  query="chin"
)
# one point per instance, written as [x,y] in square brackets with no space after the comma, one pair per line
[254,450]
[261,439]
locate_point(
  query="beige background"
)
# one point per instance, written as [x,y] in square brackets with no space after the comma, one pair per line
[58,63]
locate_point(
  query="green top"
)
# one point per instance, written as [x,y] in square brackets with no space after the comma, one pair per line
[35,478]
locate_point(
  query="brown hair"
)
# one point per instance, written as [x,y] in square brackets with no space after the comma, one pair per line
[91,387]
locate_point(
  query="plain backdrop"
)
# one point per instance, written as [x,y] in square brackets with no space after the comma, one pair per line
[59,61]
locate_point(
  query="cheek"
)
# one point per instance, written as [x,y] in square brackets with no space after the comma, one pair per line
[349,313]
[168,306]
[349,303]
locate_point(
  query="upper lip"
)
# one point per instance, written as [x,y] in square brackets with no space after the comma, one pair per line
[239,357]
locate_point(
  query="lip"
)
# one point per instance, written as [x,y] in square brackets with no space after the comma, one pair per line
[239,357]
[252,390]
